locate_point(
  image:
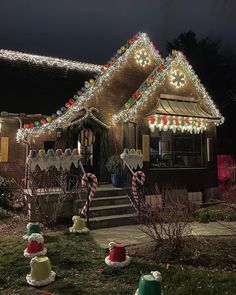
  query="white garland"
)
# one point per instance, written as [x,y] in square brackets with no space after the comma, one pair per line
[117,264]
[22,134]
[36,237]
[79,231]
[43,282]
[31,255]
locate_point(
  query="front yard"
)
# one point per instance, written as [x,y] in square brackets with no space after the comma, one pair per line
[79,264]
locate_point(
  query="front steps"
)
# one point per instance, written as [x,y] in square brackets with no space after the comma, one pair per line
[111,207]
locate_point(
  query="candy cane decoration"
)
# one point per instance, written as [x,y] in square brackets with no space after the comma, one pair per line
[140,176]
[92,192]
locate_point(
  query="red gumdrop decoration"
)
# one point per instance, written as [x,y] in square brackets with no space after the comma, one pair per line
[71,101]
[67,105]
[152,119]
[31,125]
[164,120]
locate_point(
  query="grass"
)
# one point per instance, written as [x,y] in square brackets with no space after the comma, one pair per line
[79,264]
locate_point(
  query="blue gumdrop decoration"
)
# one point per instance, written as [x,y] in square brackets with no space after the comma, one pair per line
[83,89]
[54,116]
[63,109]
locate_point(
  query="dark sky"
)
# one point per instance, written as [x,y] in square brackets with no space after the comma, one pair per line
[92,30]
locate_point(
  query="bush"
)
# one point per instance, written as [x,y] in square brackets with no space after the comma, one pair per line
[205,215]
[113,164]
[6,195]
[4,213]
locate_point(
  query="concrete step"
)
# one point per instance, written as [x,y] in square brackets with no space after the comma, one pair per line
[109,192]
[106,201]
[111,210]
[113,220]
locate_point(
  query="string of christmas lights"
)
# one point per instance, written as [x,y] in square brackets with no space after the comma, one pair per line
[48,61]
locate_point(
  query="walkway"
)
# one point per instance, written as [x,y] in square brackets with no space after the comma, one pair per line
[132,235]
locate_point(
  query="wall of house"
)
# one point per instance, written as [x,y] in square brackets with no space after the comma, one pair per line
[14,166]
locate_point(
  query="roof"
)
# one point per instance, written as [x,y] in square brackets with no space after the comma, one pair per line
[48,61]
[155,79]
[95,83]
[181,107]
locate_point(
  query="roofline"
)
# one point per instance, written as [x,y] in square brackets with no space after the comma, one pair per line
[168,62]
[49,61]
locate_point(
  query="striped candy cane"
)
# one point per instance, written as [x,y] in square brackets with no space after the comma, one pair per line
[92,192]
[139,175]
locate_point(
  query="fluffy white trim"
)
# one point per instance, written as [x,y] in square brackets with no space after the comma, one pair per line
[116,263]
[43,282]
[31,255]
[136,293]
[79,231]
[36,237]
[75,217]
[157,275]
[25,236]
[30,224]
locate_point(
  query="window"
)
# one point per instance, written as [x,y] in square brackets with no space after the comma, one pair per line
[4,149]
[168,149]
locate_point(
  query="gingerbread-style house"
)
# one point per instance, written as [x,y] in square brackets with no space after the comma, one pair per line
[139,101]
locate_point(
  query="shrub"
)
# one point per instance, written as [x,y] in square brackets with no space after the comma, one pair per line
[6,192]
[4,213]
[113,164]
[168,223]
[202,215]
[205,215]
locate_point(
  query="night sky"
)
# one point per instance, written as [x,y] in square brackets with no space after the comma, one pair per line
[92,31]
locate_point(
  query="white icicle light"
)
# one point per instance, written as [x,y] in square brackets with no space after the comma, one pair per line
[49,61]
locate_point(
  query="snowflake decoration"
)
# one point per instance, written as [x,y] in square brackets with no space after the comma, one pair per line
[178,79]
[142,57]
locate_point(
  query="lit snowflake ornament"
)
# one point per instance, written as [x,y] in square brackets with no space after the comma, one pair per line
[142,57]
[178,78]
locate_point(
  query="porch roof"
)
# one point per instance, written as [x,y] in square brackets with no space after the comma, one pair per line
[176,106]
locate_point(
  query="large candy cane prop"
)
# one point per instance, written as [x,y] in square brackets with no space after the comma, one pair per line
[92,191]
[137,176]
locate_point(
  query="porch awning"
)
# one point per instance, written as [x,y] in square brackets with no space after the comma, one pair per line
[182,107]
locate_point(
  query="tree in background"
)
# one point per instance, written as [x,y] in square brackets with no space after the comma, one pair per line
[217,71]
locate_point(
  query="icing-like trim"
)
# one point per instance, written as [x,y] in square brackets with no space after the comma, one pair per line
[116,263]
[136,293]
[36,237]
[43,282]
[80,231]
[31,255]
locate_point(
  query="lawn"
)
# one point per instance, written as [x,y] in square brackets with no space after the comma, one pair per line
[79,264]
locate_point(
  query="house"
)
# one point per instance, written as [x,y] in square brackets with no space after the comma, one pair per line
[139,100]
[31,80]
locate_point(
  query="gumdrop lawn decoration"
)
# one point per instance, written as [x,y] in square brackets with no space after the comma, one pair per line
[41,273]
[32,227]
[150,284]
[117,257]
[35,246]
[78,225]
